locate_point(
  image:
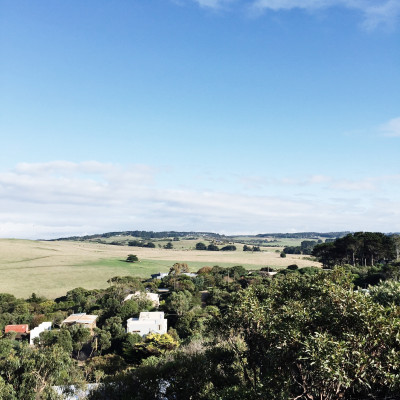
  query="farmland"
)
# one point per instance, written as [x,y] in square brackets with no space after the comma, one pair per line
[52,268]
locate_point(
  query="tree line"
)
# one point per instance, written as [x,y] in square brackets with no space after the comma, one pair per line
[360,248]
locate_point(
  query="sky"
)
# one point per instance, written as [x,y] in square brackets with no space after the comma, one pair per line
[226,116]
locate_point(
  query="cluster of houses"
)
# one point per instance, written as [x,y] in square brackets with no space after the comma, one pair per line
[148,322]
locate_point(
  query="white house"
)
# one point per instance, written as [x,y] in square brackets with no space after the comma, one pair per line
[153,297]
[34,333]
[189,274]
[148,322]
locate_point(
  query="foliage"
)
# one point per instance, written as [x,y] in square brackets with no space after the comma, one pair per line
[313,337]
[386,293]
[154,344]
[204,270]
[132,258]
[178,268]
[29,373]
[292,250]
[230,247]
[110,364]
[201,246]
[361,248]
[179,302]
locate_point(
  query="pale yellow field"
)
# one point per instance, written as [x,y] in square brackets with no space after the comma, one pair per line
[52,268]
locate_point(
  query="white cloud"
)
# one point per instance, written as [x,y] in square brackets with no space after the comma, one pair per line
[375,13]
[318,182]
[214,4]
[60,198]
[391,128]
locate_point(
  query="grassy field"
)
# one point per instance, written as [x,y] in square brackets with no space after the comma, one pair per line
[53,268]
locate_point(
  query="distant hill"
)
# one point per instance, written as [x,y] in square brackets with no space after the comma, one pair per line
[147,235]
[305,235]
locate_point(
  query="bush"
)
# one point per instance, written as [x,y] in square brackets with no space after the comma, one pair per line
[229,248]
[131,258]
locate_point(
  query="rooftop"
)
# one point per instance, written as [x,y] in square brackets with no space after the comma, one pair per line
[81,318]
[23,328]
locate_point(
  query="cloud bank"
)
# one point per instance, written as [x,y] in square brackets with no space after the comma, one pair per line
[61,198]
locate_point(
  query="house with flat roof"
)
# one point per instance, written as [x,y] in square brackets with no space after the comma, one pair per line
[189,274]
[88,321]
[35,332]
[148,322]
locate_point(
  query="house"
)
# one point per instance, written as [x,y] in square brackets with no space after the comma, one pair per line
[22,331]
[88,321]
[189,274]
[24,328]
[35,332]
[160,275]
[148,322]
[153,297]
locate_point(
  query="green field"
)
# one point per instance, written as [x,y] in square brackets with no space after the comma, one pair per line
[52,268]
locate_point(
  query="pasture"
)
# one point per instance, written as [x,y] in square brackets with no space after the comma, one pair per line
[52,268]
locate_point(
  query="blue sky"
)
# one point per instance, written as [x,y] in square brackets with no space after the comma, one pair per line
[218,115]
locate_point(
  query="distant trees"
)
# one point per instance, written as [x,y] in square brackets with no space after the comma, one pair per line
[306,247]
[132,258]
[169,245]
[139,243]
[212,247]
[251,248]
[292,249]
[201,246]
[228,248]
[360,248]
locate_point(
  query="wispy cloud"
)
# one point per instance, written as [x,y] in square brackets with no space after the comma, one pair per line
[214,4]
[375,13]
[391,128]
[318,182]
